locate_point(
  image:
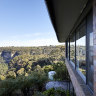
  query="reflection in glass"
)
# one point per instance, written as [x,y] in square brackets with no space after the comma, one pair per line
[81,48]
[90,50]
[68,49]
[90,73]
[72,48]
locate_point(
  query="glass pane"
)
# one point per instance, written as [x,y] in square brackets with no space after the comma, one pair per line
[90,50]
[72,48]
[81,48]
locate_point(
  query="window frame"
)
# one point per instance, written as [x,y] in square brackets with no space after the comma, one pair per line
[85,78]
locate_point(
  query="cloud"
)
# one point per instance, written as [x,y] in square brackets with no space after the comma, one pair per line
[27,35]
[36,42]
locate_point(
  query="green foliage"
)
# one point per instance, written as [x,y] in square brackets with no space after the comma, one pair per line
[2,77]
[37,93]
[35,50]
[30,63]
[11,74]
[3,67]
[48,68]
[61,71]
[53,92]
[35,81]
[29,57]
[38,69]
[21,71]
[27,71]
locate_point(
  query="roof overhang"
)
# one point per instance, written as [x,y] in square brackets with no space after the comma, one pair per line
[64,14]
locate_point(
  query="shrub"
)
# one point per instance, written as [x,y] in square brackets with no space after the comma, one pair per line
[53,92]
[48,68]
[61,71]
[2,77]
[11,74]
[3,66]
[38,69]
[35,81]
[20,72]
[37,93]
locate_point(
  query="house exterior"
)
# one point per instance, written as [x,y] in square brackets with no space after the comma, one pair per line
[74,22]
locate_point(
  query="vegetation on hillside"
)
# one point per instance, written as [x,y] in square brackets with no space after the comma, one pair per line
[27,73]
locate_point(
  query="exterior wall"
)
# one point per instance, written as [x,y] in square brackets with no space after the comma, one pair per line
[89,84]
[83,88]
[94,42]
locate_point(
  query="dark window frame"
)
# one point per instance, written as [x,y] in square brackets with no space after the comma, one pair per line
[69,49]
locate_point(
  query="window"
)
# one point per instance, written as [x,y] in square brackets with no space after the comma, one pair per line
[72,48]
[81,48]
[66,49]
[69,49]
[90,50]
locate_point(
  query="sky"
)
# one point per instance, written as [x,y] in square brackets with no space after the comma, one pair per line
[25,23]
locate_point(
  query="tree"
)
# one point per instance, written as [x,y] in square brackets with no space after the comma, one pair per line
[11,74]
[3,67]
[21,71]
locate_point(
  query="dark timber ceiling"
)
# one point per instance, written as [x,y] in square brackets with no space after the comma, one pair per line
[64,14]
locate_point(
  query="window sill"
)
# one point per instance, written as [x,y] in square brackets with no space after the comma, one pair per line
[81,89]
